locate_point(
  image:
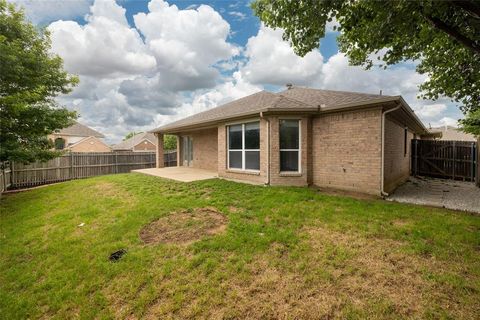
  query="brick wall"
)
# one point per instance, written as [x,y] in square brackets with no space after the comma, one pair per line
[91,144]
[145,146]
[204,148]
[397,163]
[346,150]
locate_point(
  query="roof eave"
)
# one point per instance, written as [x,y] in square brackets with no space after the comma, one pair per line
[412,113]
[306,110]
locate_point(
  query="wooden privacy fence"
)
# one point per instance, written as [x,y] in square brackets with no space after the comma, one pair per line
[77,165]
[5,176]
[445,159]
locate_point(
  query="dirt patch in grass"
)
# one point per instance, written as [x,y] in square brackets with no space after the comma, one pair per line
[184,227]
[234,209]
[109,190]
[341,276]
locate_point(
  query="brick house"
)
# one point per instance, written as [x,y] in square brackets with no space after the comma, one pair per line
[79,138]
[302,136]
[144,141]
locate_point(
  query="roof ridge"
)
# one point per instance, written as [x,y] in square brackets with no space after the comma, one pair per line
[339,91]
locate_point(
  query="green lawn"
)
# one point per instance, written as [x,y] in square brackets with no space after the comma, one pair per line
[285,253]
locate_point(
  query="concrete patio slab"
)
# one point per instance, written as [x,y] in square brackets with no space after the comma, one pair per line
[456,195]
[184,174]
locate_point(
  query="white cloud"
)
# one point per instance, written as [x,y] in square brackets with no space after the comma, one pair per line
[185,43]
[332,25]
[445,121]
[231,89]
[337,74]
[128,82]
[41,11]
[271,60]
[238,15]
[431,110]
[105,47]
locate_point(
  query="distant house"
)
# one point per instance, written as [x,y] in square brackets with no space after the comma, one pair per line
[144,141]
[79,138]
[449,133]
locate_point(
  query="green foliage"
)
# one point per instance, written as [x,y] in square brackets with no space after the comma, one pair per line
[444,36]
[130,135]
[30,79]
[169,142]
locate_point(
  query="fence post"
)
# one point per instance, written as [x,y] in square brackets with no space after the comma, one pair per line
[2,174]
[12,165]
[454,159]
[472,167]
[116,162]
[71,165]
[416,157]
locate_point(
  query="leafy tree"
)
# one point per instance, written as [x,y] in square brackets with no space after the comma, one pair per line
[30,79]
[169,142]
[130,135]
[444,36]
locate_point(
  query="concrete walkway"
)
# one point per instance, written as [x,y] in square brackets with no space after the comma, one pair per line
[184,174]
[451,194]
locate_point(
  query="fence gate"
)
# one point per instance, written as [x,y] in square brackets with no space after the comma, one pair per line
[445,159]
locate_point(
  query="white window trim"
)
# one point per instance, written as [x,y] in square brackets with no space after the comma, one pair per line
[299,146]
[243,150]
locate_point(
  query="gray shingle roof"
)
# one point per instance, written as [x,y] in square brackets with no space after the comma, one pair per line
[295,98]
[133,141]
[250,104]
[80,130]
[452,133]
[329,98]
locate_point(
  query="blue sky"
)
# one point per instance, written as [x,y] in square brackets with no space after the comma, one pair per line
[143,64]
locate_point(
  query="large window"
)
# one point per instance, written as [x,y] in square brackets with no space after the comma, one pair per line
[244,146]
[290,145]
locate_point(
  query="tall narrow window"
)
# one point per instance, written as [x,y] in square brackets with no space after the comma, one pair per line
[405,137]
[244,146]
[290,145]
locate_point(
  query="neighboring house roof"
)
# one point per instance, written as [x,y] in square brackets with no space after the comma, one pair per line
[85,140]
[79,130]
[452,133]
[133,141]
[295,99]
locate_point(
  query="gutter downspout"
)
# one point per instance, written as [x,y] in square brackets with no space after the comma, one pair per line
[382,182]
[268,148]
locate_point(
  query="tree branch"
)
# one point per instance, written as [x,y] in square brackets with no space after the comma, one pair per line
[453,33]
[469,6]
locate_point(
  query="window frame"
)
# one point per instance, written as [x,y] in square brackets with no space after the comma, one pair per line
[242,150]
[405,140]
[299,146]
[64,144]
